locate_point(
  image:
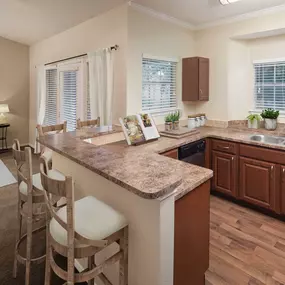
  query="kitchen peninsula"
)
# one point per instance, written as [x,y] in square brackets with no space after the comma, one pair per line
[152,191]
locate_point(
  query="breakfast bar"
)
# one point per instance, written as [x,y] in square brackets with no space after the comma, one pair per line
[144,186]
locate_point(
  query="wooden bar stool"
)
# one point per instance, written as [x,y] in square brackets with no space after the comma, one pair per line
[31,206]
[51,129]
[88,123]
[80,230]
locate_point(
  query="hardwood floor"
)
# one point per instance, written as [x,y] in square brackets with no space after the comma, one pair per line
[245,247]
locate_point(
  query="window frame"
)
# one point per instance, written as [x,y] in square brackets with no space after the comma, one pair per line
[161,111]
[274,61]
[81,66]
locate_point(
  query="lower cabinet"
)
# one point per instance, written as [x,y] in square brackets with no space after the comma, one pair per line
[225,167]
[191,236]
[282,188]
[258,182]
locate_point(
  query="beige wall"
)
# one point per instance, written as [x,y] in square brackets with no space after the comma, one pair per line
[231,69]
[14,88]
[99,32]
[148,35]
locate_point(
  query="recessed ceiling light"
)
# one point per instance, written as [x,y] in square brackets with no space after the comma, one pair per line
[226,2]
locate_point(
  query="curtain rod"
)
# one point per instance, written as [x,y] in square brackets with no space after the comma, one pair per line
[115,47]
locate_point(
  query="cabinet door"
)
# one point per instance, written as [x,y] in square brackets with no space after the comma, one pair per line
[257,182]
[282,190]
[172,153]
[204,66]
[224,166]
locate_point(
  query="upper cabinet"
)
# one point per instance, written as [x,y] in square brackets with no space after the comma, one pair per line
[195,79]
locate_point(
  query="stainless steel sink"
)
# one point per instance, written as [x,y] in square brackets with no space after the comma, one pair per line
[267,139]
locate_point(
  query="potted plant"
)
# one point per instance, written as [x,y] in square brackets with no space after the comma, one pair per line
[168,122]
[175,120]
[270,117]
[253,121]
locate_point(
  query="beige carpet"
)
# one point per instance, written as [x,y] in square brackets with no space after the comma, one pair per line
[8,226]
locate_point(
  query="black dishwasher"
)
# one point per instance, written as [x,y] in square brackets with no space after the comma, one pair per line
[193,153]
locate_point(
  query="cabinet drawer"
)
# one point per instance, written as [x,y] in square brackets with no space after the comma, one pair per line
[171,153]
[225,146]
[261,153]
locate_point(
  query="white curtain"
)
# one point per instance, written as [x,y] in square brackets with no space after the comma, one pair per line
[41,100]
[101,80]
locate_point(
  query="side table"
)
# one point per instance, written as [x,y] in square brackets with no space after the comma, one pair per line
[3,137]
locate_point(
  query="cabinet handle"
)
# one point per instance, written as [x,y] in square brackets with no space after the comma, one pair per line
[283,170]
[223,147]
[201,91]
[273,167]
[233,158]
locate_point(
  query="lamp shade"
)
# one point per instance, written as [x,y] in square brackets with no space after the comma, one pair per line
[4,108]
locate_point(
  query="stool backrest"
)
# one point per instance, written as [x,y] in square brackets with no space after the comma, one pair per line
[63,189]
[88,123]
[23,161]
[60,128]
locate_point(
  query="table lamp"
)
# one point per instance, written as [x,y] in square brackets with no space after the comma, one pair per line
[4,108]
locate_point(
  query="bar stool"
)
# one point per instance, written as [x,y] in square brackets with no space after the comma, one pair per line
[80,230]
[30,207]
[88,123]
[51,129]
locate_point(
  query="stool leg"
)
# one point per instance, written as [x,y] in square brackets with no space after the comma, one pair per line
[18,237]
[29,249]
[48,254]
[124,260]
[91,264]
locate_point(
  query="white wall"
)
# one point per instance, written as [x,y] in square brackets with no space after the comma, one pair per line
[14,88]
[152,36]
[231,69]
[99,32]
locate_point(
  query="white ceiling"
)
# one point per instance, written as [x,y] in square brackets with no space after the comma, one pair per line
[202,12]
[29,21]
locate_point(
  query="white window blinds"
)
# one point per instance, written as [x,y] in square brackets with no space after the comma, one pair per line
[51,97]
[69,92]
[158,85]
[270,85]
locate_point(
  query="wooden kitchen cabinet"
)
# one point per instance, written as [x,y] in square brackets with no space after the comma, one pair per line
[225,168]
[195,79]
[191,236]
[171,153]
[258,182]
[282,189]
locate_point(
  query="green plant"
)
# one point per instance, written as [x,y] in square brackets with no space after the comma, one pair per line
[168,118]
[253,117]
[176,116]
[269,114]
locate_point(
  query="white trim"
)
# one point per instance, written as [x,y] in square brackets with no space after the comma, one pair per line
[242,17]
[273,60]
[161,16]
[188,25]
[172,59]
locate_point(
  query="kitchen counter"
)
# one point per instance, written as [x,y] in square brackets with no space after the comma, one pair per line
[140,169]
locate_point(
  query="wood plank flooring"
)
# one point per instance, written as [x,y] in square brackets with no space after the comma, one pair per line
[245,247]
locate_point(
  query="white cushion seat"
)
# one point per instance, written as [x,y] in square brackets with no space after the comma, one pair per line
[47,154]
[37,181]
[94,220]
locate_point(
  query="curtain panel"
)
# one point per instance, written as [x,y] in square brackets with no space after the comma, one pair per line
[101,80]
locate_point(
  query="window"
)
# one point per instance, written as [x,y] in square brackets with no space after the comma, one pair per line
[158,85]
[51,97]
[67,94]
[270,85]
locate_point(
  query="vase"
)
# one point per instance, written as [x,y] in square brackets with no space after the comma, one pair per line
[168,126]
[176,125]
[254,124]
[270,124]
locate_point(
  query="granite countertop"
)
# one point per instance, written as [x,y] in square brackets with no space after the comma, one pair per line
[140,169]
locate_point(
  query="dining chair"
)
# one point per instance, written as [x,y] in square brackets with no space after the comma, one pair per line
[30,207]
[80,229]
[88,123]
